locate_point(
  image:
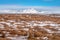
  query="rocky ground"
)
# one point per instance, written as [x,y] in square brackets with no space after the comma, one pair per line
[29,27]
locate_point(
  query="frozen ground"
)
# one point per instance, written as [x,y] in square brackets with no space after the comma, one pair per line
[20,38]
[6,26]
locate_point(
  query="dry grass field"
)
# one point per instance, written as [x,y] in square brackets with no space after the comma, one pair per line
[29,27]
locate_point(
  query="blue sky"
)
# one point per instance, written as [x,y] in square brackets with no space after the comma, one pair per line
[42,4]
[31,2]
[51,5]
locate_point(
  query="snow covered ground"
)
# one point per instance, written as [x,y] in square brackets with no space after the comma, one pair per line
[20,38]
[50,27]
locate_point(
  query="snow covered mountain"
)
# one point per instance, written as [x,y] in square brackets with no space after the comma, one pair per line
[28,10]
[19,11]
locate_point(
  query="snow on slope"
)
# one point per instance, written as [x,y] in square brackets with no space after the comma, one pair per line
[20,11]
[28,10]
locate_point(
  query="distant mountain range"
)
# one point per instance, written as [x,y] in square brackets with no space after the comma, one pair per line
[28,10]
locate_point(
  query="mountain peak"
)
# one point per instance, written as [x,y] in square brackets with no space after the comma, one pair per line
[31,10]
